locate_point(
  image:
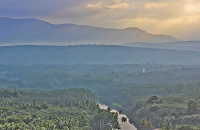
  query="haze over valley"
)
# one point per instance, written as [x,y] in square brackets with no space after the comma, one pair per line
[94,54]
[62,61]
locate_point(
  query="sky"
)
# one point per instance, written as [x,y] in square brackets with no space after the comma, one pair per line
[178,18]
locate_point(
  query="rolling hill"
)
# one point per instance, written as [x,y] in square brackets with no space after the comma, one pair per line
[180,45]
[94,54]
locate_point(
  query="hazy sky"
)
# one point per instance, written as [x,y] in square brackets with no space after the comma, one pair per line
[179,18]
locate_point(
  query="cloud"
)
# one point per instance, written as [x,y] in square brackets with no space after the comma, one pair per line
[154,16]
[192,8]
[118,6]
[155,5]
[94,5]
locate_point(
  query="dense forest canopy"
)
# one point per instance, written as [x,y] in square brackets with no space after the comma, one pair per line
[68,109]
[163,93]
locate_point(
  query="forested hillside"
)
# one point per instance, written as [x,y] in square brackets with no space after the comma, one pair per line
[94,54]
[69,109]
[176,86]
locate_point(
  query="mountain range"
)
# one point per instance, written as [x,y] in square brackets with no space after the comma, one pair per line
[38,32]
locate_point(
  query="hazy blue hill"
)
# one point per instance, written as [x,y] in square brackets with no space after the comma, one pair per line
[33,31]
[93,54]
[179,45]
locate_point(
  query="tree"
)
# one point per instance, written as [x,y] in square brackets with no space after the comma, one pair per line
[161,126]
[65,128]
[168,126]
[97,107]
[69,104]
[34,103]
[77,104]
[62,104]
[117,126]
[123,119]
[87,103]
[149,126]
[152,99]
[83,121]
[45,105]
[186,127]
[192,107]
[177,126]
[74,128]
[143,122]
[108,109]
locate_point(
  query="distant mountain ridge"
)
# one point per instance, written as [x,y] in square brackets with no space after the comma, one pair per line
[180,45]
[33,31]
[94,54]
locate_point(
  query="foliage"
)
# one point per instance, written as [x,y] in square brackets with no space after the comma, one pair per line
[122,87]
[187,127]
[35,116]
